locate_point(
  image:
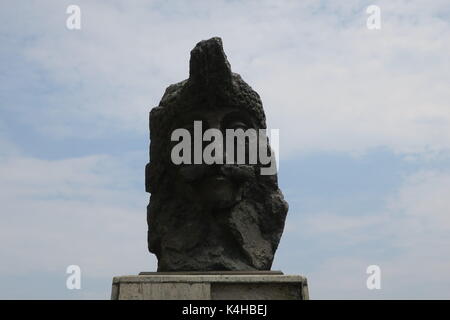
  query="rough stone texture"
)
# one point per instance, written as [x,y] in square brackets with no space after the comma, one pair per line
[226,273]
[210,287]
[210,217]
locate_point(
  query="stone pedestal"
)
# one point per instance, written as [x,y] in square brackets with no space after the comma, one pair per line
[269,285]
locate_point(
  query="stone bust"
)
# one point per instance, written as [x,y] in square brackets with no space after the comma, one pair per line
[219,216]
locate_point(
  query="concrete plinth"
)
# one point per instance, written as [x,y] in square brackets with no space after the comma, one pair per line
[210,286]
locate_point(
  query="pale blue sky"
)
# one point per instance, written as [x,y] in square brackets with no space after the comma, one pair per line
[364,125]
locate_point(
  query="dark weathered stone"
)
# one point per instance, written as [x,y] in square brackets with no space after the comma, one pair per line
[210,217]
[218,273]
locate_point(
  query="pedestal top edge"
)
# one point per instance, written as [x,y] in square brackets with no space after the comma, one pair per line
[236,278]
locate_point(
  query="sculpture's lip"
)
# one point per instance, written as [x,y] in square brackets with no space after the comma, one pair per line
[219,177]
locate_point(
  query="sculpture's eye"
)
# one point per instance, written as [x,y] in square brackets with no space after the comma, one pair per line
[237,120]
[237,125]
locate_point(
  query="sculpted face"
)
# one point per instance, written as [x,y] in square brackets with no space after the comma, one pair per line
[210,216]
[216,185]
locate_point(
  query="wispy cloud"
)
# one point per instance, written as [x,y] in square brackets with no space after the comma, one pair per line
[326,79]
[81,211]
[409,240]
[72,191]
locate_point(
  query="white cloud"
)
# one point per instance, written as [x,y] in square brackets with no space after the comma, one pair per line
[73,211]
[325,79]
[6,147]
[410,241]
[426,198]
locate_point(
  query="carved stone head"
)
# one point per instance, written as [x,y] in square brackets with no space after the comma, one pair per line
[219,216]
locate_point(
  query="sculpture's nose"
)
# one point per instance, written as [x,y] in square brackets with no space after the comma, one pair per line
[215,123]
[226,155]
[222,157]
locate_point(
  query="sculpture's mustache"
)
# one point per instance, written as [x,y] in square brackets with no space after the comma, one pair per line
[235,172]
